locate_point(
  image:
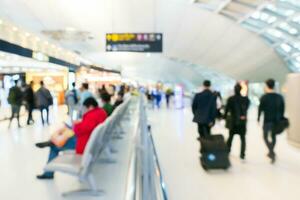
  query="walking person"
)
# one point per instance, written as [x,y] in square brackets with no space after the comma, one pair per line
[119,100]
[272,106]
[204,108]
[84,94]
[30,102]
[220,105]
[169,93]
[72,100]
[153,97]
[44,100]
[158,98]
[15,97]
[236,118]
[106,101]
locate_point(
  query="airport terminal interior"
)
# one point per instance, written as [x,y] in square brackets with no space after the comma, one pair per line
[150,99]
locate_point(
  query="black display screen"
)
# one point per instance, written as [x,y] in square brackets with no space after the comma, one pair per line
[134,42]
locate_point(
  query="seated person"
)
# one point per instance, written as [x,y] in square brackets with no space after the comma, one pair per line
[78,136]
[106,98]
[119,100]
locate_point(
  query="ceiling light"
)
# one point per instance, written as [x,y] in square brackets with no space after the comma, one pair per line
[264,16]
[297,19]
[287,48]
[256,15]
[295,54]
[272,20]
[275,33]
[283,25]
[297,46]
[14,28]
[296,64]
[289,12]
[293,31]
[1,22]
[27,34]
[271,7]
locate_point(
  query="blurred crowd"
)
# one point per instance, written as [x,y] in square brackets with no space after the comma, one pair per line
[108,97]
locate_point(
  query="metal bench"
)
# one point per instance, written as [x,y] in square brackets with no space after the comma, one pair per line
[81,166]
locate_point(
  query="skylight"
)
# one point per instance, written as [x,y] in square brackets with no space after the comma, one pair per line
[287,48]
[277,22]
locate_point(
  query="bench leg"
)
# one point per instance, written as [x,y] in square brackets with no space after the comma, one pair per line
[107,157]
[83,192]
[111,148]
[90,191]
[118,132]
[117,137]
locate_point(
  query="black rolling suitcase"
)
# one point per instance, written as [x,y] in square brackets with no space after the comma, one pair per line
[214,153]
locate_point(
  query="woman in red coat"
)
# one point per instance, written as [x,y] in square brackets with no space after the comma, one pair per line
[82,132]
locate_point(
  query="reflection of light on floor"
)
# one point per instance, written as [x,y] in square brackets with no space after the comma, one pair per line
[16,137]
[180,123]
[175,135]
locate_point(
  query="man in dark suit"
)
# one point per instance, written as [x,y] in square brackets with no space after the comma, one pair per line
[204,108]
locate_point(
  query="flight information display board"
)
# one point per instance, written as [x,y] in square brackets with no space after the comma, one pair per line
[134,42]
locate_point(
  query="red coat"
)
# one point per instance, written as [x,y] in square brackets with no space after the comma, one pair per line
[84,128]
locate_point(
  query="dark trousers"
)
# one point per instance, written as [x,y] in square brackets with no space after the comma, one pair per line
[42,108]
[242,133]
[268,132]
[30,110]
[203,130]
[54,151]
[168,101]
[15,112]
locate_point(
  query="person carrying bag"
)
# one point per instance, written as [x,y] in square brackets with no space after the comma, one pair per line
[236,118]
[282,122]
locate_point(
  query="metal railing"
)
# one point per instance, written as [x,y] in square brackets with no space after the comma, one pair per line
[145,179]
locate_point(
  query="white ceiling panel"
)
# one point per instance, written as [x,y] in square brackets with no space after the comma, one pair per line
[192,37]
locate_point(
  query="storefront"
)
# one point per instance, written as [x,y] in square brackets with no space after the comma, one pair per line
[7,80]
[97,78]
[56,82]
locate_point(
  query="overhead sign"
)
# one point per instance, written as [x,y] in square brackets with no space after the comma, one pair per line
[134,42]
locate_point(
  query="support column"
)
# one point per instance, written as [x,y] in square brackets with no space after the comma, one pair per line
[293,108]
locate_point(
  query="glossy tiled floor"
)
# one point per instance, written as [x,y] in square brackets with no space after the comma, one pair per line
[175,138]
[255,179]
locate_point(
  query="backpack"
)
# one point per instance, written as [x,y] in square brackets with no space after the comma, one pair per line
[282,122]
[47,95]
[11,99]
